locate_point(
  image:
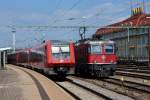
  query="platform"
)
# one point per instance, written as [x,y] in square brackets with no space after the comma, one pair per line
[16,84]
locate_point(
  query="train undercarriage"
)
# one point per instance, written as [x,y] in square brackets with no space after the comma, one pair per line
[96,70]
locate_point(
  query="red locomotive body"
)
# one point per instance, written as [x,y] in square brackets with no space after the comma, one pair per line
[96,57]
[53,57]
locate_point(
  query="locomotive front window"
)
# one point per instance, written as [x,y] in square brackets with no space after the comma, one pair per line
[96,49]
[60,51]
[109,48]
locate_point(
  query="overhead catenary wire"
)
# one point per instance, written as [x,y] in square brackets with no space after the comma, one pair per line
[99,13]
[64,13]
[56,7]
[58,4]
[46,28]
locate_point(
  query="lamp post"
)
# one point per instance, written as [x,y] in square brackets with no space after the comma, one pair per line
[14,39]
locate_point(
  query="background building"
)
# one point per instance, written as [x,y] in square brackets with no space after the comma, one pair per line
[131,36]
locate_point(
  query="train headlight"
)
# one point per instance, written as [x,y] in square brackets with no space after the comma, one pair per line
[61,68]
[95,61]
[111,61]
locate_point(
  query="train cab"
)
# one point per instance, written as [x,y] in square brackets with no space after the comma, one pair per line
[96,57]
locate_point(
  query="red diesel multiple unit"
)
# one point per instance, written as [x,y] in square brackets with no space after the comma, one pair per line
[96,58]
[53,57]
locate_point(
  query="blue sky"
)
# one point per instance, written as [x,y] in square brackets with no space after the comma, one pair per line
[57,12]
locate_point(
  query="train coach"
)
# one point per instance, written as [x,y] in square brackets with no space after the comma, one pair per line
[54,57]
[95,58]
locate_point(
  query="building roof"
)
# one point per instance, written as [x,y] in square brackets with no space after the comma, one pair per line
[133,21]
[4,49]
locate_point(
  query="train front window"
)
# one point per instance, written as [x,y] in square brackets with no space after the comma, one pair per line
[96,49]
[60,51]
[109,49]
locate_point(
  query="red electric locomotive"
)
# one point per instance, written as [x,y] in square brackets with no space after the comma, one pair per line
[95,57]
[53,57]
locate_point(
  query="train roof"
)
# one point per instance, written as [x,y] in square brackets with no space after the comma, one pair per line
[99,42]
[94,41]
[20,50]
[59,42]
[54,42]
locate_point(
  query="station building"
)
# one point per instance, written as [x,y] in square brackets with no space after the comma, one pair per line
[132,36]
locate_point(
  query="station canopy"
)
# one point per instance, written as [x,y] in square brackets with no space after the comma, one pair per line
[5,49]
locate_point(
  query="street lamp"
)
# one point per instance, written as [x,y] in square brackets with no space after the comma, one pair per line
[14,39]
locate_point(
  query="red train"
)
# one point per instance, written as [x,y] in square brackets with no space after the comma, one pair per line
[53,57]
[95,57]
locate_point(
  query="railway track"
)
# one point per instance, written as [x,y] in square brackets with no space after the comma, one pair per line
[129,85]
[80,92]
[131,89]
[132,79]
[133,67]
[96,90]
[135,70]
[134,74]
